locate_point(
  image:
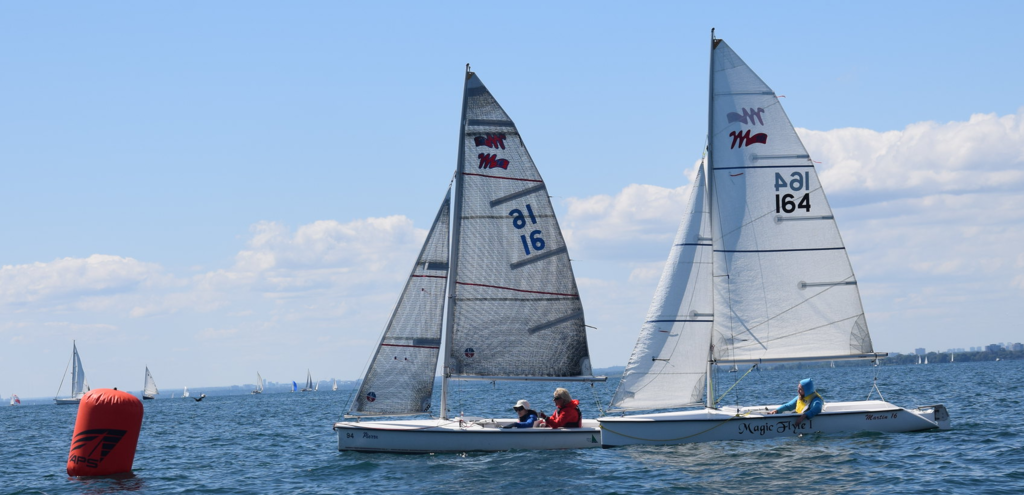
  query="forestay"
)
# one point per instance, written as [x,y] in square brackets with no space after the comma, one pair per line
[400,379]
[517,310]
[669,363]
[784,287]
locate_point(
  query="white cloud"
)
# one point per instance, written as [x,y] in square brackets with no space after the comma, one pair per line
[984,152]
[68,280]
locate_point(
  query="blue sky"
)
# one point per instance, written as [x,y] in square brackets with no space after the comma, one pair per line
[216,189]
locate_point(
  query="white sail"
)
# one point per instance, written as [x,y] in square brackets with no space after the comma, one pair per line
[259,384]
[400,379]
[150,389]
[335,387]
[668,365]
[185,393]
[309,382]
[515,311]
[784,287]
[79,385]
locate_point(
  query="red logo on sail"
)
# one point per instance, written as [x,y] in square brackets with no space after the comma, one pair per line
[492,161]
[491,141]
[469,352]
[370,397]
[745,139]
[747,117]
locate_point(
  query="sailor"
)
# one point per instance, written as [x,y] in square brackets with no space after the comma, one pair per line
[807,402]
[527,416]
[568,413]
[201,397]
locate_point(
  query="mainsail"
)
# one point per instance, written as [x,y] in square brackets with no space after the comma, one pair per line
[400,379]
[514,309]
[668,365]
[784,287]
[79,385]
[309,382]
[150,389]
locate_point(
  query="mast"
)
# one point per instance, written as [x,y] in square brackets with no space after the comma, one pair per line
[709,400]
[453,257]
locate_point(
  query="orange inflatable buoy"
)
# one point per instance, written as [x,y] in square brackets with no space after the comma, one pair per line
[106,433]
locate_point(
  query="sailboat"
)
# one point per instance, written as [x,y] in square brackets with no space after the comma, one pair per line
[926,360]
[918,359]
[184,394]
[309,383]
[79,385]
[150,391]
[259,384]
[758,273]
[513,308]
[335,387]
[295,386]
[15,401]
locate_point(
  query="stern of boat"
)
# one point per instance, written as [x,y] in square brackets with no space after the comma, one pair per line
[937,414]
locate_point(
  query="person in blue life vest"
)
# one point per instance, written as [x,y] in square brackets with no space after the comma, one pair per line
[807,402]
[527,416]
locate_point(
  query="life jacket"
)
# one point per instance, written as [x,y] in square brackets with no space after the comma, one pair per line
[579,422]
[803,403]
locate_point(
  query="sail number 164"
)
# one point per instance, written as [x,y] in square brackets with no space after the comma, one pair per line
[788,203]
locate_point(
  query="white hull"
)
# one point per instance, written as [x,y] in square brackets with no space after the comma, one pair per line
[66,401]
[465,435]
[752,423]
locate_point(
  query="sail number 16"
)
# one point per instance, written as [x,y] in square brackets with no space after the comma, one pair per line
[788,203]
[519,221]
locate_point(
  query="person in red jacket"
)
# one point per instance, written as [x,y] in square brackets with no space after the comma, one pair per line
[567,414]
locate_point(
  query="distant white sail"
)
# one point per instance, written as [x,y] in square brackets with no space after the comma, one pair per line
[259,384]
[150,391]
[185,393]
[79,385]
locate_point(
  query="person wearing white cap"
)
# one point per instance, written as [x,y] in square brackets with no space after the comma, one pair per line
[526,415]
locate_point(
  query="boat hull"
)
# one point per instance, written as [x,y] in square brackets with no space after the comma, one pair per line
[753,423]
[66,401]
[460,435]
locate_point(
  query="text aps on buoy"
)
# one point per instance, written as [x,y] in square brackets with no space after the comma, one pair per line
[106,433]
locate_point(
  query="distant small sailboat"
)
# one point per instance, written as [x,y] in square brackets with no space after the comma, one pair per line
[951,357]
[309,383]
[150,391]
[259,384]
[918,359]
[79,385]
[926,360]
[184,395]
[15,400]
[335,387]
[832,364]
[295,386]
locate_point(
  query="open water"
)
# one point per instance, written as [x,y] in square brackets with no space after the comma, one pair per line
[283,443]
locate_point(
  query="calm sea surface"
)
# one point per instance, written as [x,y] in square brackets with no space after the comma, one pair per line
[283,443]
